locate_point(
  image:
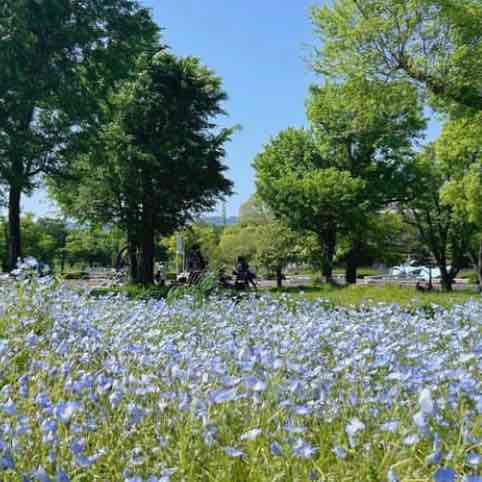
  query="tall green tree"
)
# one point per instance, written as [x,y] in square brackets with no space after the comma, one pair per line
[58,62]
[276,243]
[445,233]
[434,43]
[302,190]
[367,128]
[277,246]
[159,158]
[459,148]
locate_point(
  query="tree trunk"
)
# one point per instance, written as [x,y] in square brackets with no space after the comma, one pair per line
[147,262]
[480,264]
[446,278]
[5,254]
[62,260]
[132,250]
[279,278]
[329,242]
[352,262]
[14,243]
[119,262]
[147,231]
[133,264]
[351,271]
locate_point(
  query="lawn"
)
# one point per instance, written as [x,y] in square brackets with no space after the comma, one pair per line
[369,294]
[116,389]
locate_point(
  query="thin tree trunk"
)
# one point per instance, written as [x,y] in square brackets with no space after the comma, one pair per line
[279,277]
[118,263]
[480,264]
[5,255]
[352,262]
[147,239]
[133,263]
[147,236]
[62,260]
[133,254]
[14,241]
[329,242]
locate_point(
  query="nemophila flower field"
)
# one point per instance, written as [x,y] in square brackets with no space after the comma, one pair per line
[112,389]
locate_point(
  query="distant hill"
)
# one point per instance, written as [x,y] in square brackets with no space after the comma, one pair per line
[218,220]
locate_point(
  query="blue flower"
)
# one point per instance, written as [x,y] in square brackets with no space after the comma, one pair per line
[444,475]
[233,452]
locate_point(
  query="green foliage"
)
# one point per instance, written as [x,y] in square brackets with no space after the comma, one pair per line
[386,239]
[441,229]
[54,242]
[133,291]
[93,245]
[471,276]
[238,241]
[205,287]
[321,199]
[206,236]
[59,62]
[460,150]
[43,238]
[160,147]
[254,211]
[292,181]
[434,43]
[277,245]
[368,129]
[333,180]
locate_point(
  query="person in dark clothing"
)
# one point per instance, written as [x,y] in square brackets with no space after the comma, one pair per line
[196,260]
[196,265]
[244,276]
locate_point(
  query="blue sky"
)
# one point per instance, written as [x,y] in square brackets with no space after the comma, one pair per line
[260,49]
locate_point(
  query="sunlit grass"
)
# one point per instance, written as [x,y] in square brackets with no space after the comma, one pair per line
[371,294]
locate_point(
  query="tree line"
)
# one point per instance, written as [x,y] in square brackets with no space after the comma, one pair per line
[383,63]
[124,133]
[64,246]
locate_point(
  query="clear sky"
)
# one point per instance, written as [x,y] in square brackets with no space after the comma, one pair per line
[261,50]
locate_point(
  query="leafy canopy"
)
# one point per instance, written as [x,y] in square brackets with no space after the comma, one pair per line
[159,158]
[292,180]
[59,60]
[434,43]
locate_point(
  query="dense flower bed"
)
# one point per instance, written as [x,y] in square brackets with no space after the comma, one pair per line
[265,389]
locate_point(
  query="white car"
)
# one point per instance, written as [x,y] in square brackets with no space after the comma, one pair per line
[411,270]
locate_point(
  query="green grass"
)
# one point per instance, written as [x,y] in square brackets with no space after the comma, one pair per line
[472,276]
[133,291]
[352,295]
[390,293]
[361,272]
